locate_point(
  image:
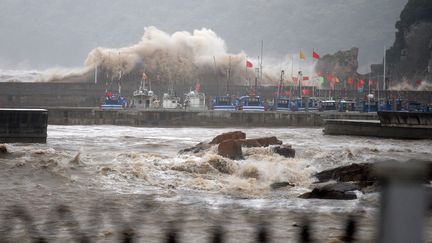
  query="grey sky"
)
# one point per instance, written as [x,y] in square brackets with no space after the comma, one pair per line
[60,33]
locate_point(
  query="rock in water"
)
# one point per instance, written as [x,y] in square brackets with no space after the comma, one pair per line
[337,191]
[285,150]
[362,173]
[277,185]
[195,149]
[228,136]
[3,149]
[230,149]
[260,142]
[221,165]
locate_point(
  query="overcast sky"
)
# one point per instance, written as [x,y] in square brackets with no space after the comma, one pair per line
[60,33]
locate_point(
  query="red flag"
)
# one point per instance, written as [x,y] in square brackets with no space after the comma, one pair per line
[287,93]
[306,91]
[294,79]
[276,92]
[360,84]
[315,55]
[249,64]
[350,81]
[330,78]
[305,78]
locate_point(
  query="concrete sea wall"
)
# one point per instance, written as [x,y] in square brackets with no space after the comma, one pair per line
[169,118]
[23,125]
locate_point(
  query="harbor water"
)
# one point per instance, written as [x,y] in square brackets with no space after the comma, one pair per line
[119,168]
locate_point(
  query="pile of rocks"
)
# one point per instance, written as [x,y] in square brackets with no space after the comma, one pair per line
[230,145]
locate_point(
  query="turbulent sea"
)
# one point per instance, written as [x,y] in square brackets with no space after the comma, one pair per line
[138,174]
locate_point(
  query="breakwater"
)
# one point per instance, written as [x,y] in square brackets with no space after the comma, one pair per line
[23,125]
[399,125]
[169,118]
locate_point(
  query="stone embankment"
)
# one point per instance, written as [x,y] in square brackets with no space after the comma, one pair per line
[169,118]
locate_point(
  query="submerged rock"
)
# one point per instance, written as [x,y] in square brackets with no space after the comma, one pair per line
[285,150]
[277,185]
[336,191]
[361,173]
[196,149]
[3,149]
[221,165]
[230,149]
[260,142]
[228,136]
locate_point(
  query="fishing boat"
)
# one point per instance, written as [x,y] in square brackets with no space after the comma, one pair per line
[327,106]
[222,103]
[170,101]
[195,100]
[347,106]
[114,101]
[281,104]
[250,103]
[144,98]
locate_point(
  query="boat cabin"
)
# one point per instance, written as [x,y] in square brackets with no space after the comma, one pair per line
[250,103]
[222,103]
[114,101]
[195,101]
[327,105]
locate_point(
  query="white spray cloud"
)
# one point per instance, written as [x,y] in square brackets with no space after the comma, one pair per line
[180,56]
[424,85]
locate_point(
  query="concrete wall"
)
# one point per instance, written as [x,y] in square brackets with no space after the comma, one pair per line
[409,119]
[95,116]
[374,129]
[23,125]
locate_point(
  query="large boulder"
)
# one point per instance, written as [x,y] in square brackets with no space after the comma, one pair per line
[260,142]
[337,191]
[230,149]
[3,149]
[228,136]
[361,173]
[195,149]
[285,150]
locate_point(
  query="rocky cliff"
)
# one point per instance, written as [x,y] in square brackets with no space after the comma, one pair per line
[410,57]
[342,64]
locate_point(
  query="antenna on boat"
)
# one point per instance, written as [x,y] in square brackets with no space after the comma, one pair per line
[216,76]
[261,64]
[384,73]
[96,73]
[229,76]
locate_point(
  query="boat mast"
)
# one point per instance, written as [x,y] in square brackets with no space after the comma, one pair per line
[384,73]
[261,63]
[280,84]
[216,76]
[228,76]
[96,73]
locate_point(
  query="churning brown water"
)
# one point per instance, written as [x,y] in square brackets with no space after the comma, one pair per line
[136,175]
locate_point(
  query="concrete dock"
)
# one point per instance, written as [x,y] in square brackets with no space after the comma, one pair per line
[170,118]
[23,125]
[399,125]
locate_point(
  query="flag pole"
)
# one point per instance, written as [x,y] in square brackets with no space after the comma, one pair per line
[96,73]
[217,79]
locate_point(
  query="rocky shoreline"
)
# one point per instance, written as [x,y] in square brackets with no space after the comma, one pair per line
[339,183]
